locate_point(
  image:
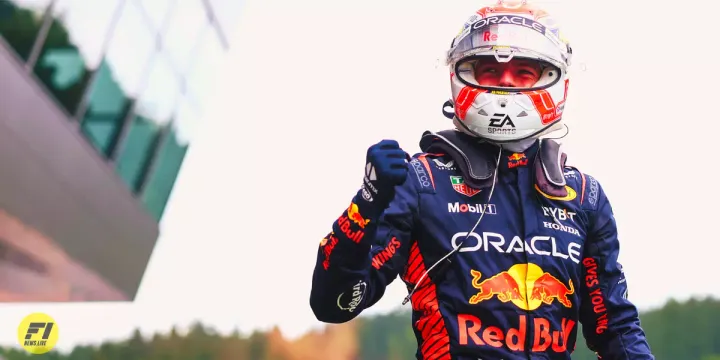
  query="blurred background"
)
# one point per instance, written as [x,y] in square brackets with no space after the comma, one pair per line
[170,166]
[99,99]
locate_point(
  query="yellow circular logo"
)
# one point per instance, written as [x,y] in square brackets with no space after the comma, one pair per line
[38,333]
[571,194]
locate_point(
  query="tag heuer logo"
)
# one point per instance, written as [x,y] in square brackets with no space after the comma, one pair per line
[458,184]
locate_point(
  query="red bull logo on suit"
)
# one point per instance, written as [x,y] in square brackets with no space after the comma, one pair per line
[528,287]
[525,285]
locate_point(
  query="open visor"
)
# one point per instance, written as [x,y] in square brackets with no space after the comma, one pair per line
[465,70]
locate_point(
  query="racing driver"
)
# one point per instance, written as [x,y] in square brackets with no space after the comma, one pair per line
[503,247]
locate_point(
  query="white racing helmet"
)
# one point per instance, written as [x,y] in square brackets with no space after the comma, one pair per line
[502,32]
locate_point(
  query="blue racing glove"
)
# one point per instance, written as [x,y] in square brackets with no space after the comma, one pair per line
[355,231]
[385,168]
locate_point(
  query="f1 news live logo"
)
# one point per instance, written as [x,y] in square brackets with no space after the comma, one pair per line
[37,333]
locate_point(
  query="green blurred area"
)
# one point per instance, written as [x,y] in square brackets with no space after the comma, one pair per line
[130,103]
[678,331]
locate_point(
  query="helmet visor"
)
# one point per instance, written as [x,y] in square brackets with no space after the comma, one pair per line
[508,32]
[517,72]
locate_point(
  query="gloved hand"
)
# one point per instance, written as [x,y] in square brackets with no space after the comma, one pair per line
[385,168]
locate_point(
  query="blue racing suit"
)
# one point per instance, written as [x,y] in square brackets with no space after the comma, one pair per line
[518,284]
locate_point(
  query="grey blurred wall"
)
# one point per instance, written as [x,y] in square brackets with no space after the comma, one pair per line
[55,182]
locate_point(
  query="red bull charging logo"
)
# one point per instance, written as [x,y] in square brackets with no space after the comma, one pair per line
[354,216]
[525,285]
[528,287]
[517,159]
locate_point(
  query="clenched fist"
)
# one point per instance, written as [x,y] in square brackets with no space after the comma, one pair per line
[385,168]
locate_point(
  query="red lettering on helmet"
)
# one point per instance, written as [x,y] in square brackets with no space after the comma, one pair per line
[488,36]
